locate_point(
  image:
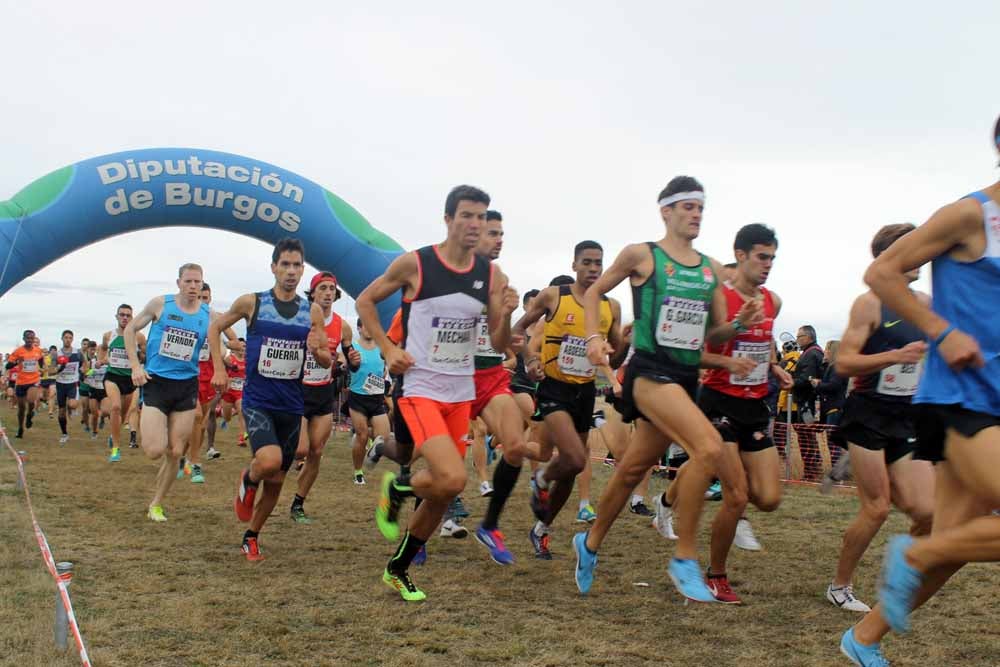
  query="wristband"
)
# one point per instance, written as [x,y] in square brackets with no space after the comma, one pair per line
[586,341]
[944,334]
[738,326]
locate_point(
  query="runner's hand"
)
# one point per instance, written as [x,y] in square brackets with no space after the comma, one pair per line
[398,361]
[959,350]
[535,370]
[785,380]
[220,381]
[517,343]
[510,301]
[750,313]
[139,376]
[741,366]
[316,339]
[598,351]
[354,358]
[913,352]
[627,333]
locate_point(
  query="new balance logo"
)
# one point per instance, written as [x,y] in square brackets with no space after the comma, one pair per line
[477,284]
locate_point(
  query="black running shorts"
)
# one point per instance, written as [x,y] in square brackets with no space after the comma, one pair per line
[169,396]
[576,399]
[269,428]
[642,365]
[743,421]
[933,422]
[879,426]
[65,392]
[368,405]
[123,382]
[317,400]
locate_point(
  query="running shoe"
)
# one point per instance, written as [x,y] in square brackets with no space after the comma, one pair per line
[641,509]
[403,585]
[196,476]
[586,515]
[242,440]
[155,513]
[714,492]
[387,510]
[609,460]
[540,545]
[843,597]
[115,455]
[745,539]
[663,522]
[686,576]
[493,540]
[93,436]
[20,433]
[181,465]
[719,586]
[451,528]
[456,510]
[359,478]
[586,561]
[491,452]
[485,489]
[420,557]
[838,473]
[251,549]
[223,426]
[539,500]
[245,494]
[213,453]
[86,428]
[899,584]
[298,514]
[374,453]
[63,439]
[27,422]
[859,654]
[187,468]
[132,444]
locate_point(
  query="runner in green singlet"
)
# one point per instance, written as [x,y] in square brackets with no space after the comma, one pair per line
[118,381]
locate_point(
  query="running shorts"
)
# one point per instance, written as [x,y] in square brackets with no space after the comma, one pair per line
[169,396]
[48,383]
[123,382]
[741,420]
[368,405]
[576,399]
[879,426]
[490,382]
[206,392]
[21,390]
[317,400]
[644,366]
[65,392]
[269,428]
[97,394]
[419,419]
[232,395]
[934,421]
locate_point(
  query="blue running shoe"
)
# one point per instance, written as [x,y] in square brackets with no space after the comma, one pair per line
[687,577]
[899,585]
[714,492]
[493,540]
[586,561]
[586,515]
[223,426]
[421,556]
[859,654]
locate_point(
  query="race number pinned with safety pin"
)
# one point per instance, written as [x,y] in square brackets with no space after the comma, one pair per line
[682,323]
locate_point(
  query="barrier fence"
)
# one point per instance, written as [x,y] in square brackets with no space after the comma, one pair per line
[61,573]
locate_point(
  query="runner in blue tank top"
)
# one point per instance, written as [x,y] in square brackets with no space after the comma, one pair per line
[281,326]
[170,378]
[366,400]
[960,396]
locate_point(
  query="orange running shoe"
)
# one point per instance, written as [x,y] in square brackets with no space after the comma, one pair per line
[251,549]
[245,494]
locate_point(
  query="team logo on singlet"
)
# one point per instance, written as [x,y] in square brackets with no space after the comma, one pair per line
[570,318]
[706,273]
[668,268]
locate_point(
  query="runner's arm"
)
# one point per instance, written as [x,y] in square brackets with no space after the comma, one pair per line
[722,329]
[351,355]
[624,266]
[543,304]
[102,350]
[402,274]
[242,309]
[615,338]
[150,313]
[317,342]
[502,302]
[865,317]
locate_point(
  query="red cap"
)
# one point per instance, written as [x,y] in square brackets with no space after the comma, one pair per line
[320,277]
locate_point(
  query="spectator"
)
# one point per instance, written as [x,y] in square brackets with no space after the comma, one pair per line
[789,360]
[832,389]
[808,368]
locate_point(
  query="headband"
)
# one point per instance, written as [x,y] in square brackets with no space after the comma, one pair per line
[681,196]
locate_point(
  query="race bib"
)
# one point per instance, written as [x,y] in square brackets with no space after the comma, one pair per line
[899,380]
[96,379]
[203,353]
[236,384]
[452,344]
[118,358]
[760,353]
[178,344]
[484,347]
[374,384]
[68,374]
[314,373]
[573,357]
[29,366]
[280,359]
[682,323]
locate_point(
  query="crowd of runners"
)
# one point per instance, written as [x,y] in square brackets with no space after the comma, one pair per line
[687,379]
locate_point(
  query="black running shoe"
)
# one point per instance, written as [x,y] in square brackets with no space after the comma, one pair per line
[640,509]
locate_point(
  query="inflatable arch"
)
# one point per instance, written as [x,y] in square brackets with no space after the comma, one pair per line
[125,192]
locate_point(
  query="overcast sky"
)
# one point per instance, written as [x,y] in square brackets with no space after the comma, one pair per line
[823,122]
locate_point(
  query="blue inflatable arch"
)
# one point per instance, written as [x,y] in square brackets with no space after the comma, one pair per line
[160,187]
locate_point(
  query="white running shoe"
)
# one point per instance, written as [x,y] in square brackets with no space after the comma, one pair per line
[663,521]
[745,539]
[213,453]
[485,489]
[843,597]
[63,439]
[451,528]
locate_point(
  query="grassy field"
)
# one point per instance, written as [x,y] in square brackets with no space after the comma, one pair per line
[180,593]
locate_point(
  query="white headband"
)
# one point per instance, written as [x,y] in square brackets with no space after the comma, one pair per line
[681,196]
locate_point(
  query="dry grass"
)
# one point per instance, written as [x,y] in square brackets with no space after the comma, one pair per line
[180,593]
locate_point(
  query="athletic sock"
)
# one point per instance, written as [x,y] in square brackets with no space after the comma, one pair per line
[416,502]
[246,477]
[407,549]
[250,533]
[504,478]
[62,425]
[540,529]
[663,499]
[131,437]
[298,501]
[584,503]
[540,480]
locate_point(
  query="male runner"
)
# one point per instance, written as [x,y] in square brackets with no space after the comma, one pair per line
[567,393]
[318,391]
[118,381]
[959,395]
[26,360]
[733,397]
[281,326]
[98,403]
[882,353]
[366,400]
[679,304]
[208,398]
[50,368]
[70,361]
[84,389]
[445,288]
[170,378]
[232,398]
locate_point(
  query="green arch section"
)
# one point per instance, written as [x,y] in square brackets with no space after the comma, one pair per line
[38,194]
[355,223]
